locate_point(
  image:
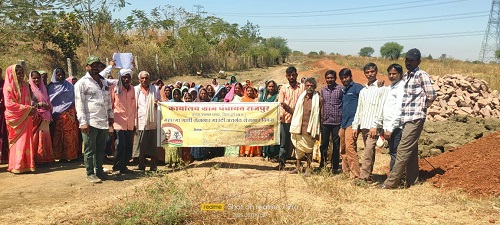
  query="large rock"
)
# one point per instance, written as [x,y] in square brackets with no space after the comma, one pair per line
[482,102]
[485,112]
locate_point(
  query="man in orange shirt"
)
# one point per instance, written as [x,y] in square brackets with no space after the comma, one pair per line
[123,103]
[288,96]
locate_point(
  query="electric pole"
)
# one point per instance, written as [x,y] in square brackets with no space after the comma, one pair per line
[491,42]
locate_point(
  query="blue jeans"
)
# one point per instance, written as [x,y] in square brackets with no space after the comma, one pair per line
[326,130]
[393,145]
[285,143]
[93,145]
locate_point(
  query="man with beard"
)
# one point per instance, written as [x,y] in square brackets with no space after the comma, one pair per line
[288,96]
[95,114]
[418,95]
[123,102]
[305,124]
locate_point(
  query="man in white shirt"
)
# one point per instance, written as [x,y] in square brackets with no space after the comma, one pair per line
[369,106]
[147,97]
[390,117]
[94,112]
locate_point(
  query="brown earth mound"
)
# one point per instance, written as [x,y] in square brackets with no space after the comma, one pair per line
[321,66]
[472,167]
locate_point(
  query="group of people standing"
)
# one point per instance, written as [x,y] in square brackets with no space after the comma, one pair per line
[38,121]
[44,122]
[396,112]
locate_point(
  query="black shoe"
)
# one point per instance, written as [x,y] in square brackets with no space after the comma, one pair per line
[141,168]
[105,176]
[153,169]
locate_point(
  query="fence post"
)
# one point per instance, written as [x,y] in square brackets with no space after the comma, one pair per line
[70,67]
[136,63]
[158,67]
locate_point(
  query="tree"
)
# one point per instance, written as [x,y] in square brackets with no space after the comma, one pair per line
[429,57]
[62,29]
[95,15]
[391,50]
[497,54]
[280,44]
[366,52]
[322,53]
[443,56]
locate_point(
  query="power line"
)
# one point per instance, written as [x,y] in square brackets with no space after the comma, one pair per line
[392,38]
[341,11]
[384,22]
[319,11]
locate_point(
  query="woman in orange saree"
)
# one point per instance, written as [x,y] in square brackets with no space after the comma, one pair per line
[42,143]
[250,96]
[18,115]
[65,143]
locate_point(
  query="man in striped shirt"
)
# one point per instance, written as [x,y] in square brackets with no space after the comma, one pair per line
[287,97]
[419,94]
[369,107]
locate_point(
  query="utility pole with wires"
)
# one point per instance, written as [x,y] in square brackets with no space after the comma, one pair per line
[491,42]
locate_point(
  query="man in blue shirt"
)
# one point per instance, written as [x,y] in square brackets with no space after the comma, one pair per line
[348,147]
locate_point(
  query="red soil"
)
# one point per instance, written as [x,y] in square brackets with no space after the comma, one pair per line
[321,66]
[472,167]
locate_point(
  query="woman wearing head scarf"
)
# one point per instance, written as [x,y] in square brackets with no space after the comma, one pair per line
[4,140]
[270,95]
[176,95]
[250,151]
[210,91]
[202,95]
[220,94]
[65,144]
[235,94]
[18,115]
[184,90]
[188,97]
[166,94]
[42,143]
[232,80]
[173,155]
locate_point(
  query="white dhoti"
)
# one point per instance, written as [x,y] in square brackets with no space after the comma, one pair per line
[304,144]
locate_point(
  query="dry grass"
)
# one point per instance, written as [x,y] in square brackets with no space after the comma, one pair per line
[489,72]
[260,195]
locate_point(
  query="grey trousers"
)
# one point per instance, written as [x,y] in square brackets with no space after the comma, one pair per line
[407,155]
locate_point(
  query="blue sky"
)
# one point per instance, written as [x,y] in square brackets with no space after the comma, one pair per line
[452,27]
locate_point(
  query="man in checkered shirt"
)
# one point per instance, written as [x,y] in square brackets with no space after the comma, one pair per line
[419,94]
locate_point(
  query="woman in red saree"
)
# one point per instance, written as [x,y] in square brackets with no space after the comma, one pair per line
[65,143]
[18,115]
[250,96]
[42,143]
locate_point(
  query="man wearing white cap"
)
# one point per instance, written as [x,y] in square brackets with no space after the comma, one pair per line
[123,103]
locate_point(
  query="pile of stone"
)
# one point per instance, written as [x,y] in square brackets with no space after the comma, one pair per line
[459,95]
